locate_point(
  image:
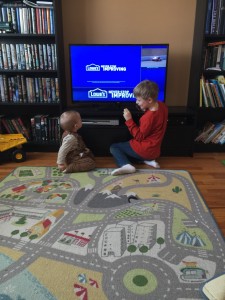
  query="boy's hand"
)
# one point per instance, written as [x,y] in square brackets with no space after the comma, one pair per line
[61,167]
[127,114]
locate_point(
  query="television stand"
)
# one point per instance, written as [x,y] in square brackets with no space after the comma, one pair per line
[102,128]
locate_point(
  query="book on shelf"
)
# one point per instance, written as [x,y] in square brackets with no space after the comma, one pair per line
[37,123]
[215,17]
[221,29]
[15,93]
[57,90]
[45,128]
[203,93]
[36,57]
[219,56]
[8,56]
[48,21]
[48,90]
[1,58]
[219,25]
[33,20]
[8,128]
[222,140]
[37,90]
[204,133]
[222,60]
[13,56]
[13,24]
[211,133]
[22,56]
[215,94]
[41,57]
[10,90]
[25,19]
[214,56]
[4,78]
[19,85]
[24,90]
[219,136]
[21,89]
[218,94]
[216,130]
[208,17]
[15,125]
[24,124]
[54,129]
[200,93]
[4,57]
[222,91]
[208,93]
[26,55]
[212,92]
[33,133]
[2,94]
[30,58]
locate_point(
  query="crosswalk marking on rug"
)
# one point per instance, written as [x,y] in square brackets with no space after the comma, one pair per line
[19,245]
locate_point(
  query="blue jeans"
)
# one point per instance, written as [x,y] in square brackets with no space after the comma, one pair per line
[124,154]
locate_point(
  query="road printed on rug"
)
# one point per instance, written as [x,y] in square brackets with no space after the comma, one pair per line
[147,235]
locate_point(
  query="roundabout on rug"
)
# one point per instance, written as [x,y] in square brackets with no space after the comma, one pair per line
[140,281]
[93,236]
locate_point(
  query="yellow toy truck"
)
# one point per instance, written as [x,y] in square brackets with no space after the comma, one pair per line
[11,144]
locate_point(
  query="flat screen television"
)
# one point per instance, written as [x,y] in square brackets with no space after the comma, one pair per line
[108,73]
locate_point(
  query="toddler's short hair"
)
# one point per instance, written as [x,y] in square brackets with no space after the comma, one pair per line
[68,119]
[146,89]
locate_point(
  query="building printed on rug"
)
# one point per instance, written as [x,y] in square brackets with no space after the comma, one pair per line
[148,234]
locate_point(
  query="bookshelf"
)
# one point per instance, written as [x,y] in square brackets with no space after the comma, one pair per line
[209,28]
[31,72]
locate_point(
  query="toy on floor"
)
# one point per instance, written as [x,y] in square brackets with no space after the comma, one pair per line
[11,145]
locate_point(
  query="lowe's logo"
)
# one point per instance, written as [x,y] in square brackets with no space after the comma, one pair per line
[92,68]
[97,93]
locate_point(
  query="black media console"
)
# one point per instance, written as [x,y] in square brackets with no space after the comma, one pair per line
[102,128]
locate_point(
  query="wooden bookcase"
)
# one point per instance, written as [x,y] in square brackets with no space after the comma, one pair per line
[32,82]
[204,114]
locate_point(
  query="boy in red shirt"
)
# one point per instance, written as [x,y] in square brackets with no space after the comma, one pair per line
[147,137]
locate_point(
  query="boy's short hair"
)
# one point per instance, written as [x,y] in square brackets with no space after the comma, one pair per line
[146,89]
[68,119]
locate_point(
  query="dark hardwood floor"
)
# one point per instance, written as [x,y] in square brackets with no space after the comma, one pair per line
[206,169]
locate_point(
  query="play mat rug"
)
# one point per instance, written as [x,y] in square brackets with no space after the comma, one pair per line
[147,235]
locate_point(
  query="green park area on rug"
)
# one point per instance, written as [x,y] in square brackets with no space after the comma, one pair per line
[92,236]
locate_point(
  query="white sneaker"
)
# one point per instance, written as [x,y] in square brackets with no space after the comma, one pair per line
[152,163]
[126,169]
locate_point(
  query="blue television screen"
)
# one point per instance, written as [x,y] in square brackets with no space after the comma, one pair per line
[108,73]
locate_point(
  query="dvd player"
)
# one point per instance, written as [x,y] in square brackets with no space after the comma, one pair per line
[110,122]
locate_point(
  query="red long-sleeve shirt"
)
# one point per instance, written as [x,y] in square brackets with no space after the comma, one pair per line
[147,137]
